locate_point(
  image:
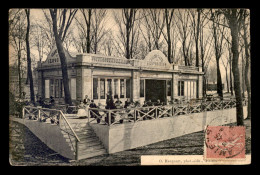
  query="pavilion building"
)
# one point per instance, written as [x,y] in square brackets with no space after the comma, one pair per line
[97,76]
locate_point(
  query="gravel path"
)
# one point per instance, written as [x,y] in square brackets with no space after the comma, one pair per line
[27,149]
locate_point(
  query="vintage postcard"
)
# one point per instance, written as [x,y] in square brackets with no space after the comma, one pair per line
[129,87]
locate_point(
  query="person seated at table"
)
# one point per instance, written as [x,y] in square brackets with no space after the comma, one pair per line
[93,105]
[127,103]
[137,104]
[118,103]
[158,103]
[169,102]
[149,103]
[110,105]
[86,100]
[145,110]
[82,113]
[41,102]
[52,102]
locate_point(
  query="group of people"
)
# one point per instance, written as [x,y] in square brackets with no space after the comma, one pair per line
[87,104]
[41,102]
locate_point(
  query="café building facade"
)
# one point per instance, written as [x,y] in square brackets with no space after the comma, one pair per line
[97,76]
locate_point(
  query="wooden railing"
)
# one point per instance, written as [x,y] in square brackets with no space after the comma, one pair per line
[116,116]
[55,117]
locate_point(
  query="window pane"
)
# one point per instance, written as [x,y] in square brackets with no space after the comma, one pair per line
[179,88]
[182,88]
[141,88]
[169,88]
[56,88]
[109,86]
[102,88]
[122,88]
[128,88]
[95,88]
[51,88]
[47,88]
[61,88]
[73,88]
[116,88]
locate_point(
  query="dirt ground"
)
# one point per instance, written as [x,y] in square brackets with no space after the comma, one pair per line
[27,149]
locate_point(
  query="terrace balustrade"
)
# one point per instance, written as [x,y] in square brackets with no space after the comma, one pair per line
[133,114]
[55,117]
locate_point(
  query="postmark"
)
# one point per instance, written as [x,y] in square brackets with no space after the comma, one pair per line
[224,142]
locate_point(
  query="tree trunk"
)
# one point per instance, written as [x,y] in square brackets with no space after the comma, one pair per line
[127,42]
[197,39]
[243,78]
[227,80]
[63,62]
[248,86]
[88,31]
[237,85]
[219,81]
[29,69]
[169,43]
[19,73]
[230,73]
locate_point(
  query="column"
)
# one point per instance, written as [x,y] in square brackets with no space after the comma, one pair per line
[175,78]
[200,86]
[83,83]
[185,89]
[195,89]
[40,84]
[135,85]
[188,89]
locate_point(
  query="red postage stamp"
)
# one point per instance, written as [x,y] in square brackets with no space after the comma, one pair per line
[224,142]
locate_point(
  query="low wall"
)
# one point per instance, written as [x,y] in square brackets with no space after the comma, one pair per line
[102,132]
[131,135]
[50,135]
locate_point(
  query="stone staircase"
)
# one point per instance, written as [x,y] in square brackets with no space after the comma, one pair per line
[89,145]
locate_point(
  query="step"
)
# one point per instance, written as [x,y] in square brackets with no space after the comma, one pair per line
[93,154]
[89,139]
[89,144]
[90,150]
[90,147]
[85,133]
[83,140]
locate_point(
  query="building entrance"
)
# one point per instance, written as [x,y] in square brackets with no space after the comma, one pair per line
[155,89]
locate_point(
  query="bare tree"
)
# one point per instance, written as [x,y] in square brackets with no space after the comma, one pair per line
[29,69]
[38,40]
[205,46]
[234,17]
[225,63]
[127,30]
[196,30]
[108,44]
[17,32]
[87,14]
[218,35]
[245,35]
[98,27]
[60,34]
[168,16]
[185,34]
[151,30]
